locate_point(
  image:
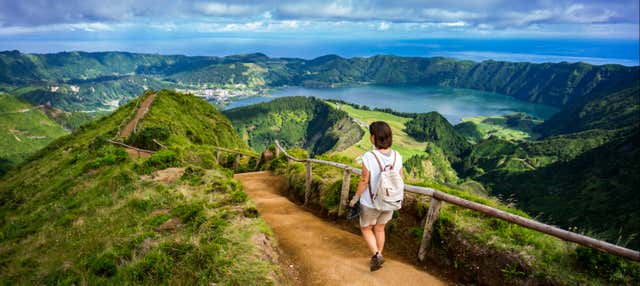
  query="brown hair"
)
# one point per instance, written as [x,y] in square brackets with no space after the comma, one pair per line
[381,134]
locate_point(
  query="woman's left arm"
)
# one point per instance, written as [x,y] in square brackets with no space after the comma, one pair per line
[362,185]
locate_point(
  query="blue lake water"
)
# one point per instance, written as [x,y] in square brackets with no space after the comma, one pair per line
[453,103]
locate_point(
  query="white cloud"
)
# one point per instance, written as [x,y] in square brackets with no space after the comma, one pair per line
[290,24]
[578,13]
[235,27]
[446,15]
[224,9]
[453,24]
[383,26]
[86,27]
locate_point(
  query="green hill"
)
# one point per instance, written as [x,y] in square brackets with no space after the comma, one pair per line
[605,111]
[81,211]
[100,78]
[595,192]
[434,128]
[24,129]
[432,166]
[296,121]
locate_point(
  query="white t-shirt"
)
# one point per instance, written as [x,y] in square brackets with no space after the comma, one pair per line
[371,164]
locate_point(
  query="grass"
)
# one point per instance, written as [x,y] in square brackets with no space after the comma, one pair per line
[24,130]
[544,258]
[82,212]
[402,142]
[509,127]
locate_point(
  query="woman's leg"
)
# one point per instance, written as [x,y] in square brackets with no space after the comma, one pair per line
[378,232]
[370,238]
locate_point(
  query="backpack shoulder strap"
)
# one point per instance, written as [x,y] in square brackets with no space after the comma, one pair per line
[377,160]
[381,169]
[395,155]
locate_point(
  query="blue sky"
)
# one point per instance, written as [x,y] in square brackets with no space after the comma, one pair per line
[54,25]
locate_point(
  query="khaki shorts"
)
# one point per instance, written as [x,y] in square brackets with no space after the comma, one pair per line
[370,216]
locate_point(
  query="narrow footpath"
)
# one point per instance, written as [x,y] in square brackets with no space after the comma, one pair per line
[323,253]
[142,110]
[133,123]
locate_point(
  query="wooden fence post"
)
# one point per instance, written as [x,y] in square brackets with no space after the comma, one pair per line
[236,162]
[307,189]
[432,217]
[344,192]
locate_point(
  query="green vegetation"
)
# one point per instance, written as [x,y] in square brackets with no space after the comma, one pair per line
[434,128]
[479,247]
[432,166]
[610,110]
[599,184]
[296,121]
[23,130]
[402,142]
[513,127]
[97,79]
[81,211]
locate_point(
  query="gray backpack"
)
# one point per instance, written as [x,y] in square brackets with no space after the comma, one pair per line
[389,188]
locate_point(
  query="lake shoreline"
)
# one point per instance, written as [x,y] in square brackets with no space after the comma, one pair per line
[455,104]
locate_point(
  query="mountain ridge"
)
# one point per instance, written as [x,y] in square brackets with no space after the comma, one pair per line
[557,84]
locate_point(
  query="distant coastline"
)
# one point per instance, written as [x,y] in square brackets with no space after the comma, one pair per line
[592,51]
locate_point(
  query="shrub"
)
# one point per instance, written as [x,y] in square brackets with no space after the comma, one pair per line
[609,267]
[109,155]
[416,232]
[153,268]
[190,213]
[238,196]
[331,196]
[144,138]
[139,204]
[160,160]
[250,212]
[103,265]
[193,175]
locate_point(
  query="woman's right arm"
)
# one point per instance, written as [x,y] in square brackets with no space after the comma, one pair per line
[362,185]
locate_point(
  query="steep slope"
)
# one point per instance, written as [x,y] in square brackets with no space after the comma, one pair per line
[557,84]
[433,166]
[433,127]
[596,192]
[607,111]
[24,129]
[82,212]
[296,121]
[471,248]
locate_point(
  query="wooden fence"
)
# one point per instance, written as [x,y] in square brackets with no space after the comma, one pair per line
[238,156]
[438,198]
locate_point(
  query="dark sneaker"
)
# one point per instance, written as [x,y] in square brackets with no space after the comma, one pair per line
[380,259]
[375,263]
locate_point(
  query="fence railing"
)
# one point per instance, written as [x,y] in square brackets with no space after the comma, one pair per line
[131,147]
[439,197]
[238,156]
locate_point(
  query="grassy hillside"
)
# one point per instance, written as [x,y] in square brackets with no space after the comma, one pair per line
[433,127]
[99,74]
[82,212]
[296,121]
[595,191]
[24,129]
[604,111]
[510,127]
[432,166]
[403,143]
[479,250]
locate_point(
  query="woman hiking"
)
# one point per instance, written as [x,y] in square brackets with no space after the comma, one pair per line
[374,162]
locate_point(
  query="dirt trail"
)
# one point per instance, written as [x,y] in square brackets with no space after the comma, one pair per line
[142,110]
[324,253]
